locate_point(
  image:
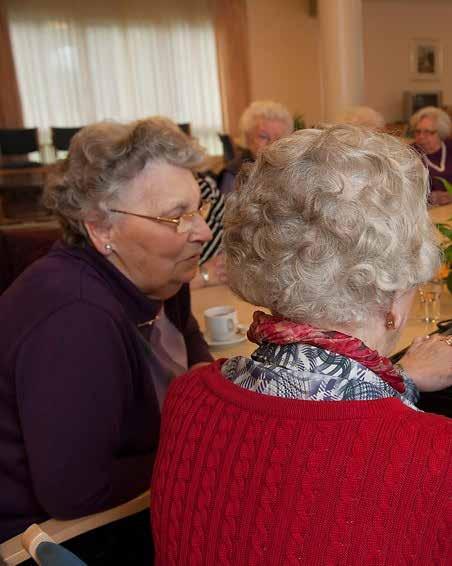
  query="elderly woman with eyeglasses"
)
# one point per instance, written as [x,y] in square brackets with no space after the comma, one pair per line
[92,334]
[312,450]
[432,128]
[263,122]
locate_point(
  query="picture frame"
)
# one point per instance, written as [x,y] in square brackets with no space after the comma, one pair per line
[426,59]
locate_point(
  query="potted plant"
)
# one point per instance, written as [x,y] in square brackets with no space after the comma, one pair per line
[445,229]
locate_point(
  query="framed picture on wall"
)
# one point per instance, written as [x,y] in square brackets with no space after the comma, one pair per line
[426,59]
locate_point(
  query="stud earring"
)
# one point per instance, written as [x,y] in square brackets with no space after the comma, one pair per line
[390,323]
[109,247]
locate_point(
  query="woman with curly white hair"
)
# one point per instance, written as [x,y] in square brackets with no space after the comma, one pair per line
[432,128]
[312,451]
[362,116]
[263,122]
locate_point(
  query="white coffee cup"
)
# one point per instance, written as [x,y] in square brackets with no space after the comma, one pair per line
[221,323]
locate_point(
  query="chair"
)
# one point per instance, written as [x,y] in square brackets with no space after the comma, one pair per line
[61,137]
[229,151]
[13,552]
[18,142]
[186,128]
[21,246]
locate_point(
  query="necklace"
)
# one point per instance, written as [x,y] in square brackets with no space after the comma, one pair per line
[442,163]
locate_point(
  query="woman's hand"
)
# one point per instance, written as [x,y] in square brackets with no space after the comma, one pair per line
[212,272]
[429,362]
[438,198]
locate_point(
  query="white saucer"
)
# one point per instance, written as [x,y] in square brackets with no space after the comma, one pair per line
[238,339]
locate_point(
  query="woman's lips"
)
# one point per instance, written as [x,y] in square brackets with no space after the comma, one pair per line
[194,257]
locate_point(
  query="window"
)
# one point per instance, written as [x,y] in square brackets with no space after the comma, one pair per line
[82,61]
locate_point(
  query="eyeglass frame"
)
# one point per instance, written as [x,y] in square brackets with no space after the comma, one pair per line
[176,220]
[418,132]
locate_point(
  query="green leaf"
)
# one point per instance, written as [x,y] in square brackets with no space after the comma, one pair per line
[298,122]
[447,253]
[447,184]
[445,230]
[449,282]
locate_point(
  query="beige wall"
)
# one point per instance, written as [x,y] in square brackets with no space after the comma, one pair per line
[284,62]
[284,55]
[389,28]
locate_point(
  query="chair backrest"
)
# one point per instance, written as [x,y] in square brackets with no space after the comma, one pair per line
[229,151]
[21,246]
[61,137]
[186,128]
[13,552]
[45,551]
[18,141]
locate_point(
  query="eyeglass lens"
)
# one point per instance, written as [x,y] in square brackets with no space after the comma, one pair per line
[187,221]
[427,132]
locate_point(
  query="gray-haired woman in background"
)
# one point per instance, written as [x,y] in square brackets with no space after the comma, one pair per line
[92,334]
[312,451]
[432,127]
[263,122]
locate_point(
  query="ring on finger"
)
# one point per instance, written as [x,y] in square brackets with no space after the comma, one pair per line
[447,340]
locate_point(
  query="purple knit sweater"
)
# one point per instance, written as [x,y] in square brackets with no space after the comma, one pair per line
[79,417]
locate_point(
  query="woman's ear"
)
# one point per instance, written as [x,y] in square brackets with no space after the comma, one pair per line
[100,235]
[401,307]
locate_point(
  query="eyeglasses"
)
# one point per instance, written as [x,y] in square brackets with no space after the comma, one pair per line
[183,223]
[426,132]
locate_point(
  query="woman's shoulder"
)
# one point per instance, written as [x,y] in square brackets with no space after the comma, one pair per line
[431,421]
[56,284]
[194,381]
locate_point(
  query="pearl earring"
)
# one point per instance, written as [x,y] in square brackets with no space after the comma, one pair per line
[390,322]
[109,247]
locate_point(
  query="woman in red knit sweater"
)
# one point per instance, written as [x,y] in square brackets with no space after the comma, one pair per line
[312,451]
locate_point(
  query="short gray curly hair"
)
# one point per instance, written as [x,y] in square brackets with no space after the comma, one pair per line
[362,116]
[327,225]
[103,158]
[440,117]
[265,110]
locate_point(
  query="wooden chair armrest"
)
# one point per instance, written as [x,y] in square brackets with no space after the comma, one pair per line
[13,552]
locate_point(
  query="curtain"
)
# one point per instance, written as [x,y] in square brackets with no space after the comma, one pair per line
[83,61]
[10,107]
[231,33]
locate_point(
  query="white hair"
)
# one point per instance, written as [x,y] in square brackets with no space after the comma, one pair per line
[328,225]
[265,110]
[362,116]
[103,159]
[440,118]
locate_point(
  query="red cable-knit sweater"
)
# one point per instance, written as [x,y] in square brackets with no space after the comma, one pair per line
[243,478]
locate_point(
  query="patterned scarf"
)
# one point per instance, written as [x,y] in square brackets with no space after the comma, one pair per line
[276,330]
[302,362]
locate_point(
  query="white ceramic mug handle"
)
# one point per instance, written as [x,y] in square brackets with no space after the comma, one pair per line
[230,325]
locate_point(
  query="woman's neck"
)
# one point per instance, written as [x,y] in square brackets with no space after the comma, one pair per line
[433,148]
[374,336]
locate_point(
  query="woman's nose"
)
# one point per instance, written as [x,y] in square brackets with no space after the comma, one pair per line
[200,231]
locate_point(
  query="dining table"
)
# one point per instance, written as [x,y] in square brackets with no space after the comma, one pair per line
[207,297]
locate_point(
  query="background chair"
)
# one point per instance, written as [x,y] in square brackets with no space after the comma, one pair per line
[61,137]
[18,142]
[229,151]
[13,552]
[186,128]
[21,246]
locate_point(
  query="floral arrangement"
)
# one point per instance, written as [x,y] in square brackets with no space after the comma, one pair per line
[445,271]
[299,122]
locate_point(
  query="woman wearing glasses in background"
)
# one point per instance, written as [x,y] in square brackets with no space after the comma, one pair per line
[93,333]
[432,127]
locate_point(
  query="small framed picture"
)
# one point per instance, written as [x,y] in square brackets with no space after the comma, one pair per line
[426,59]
